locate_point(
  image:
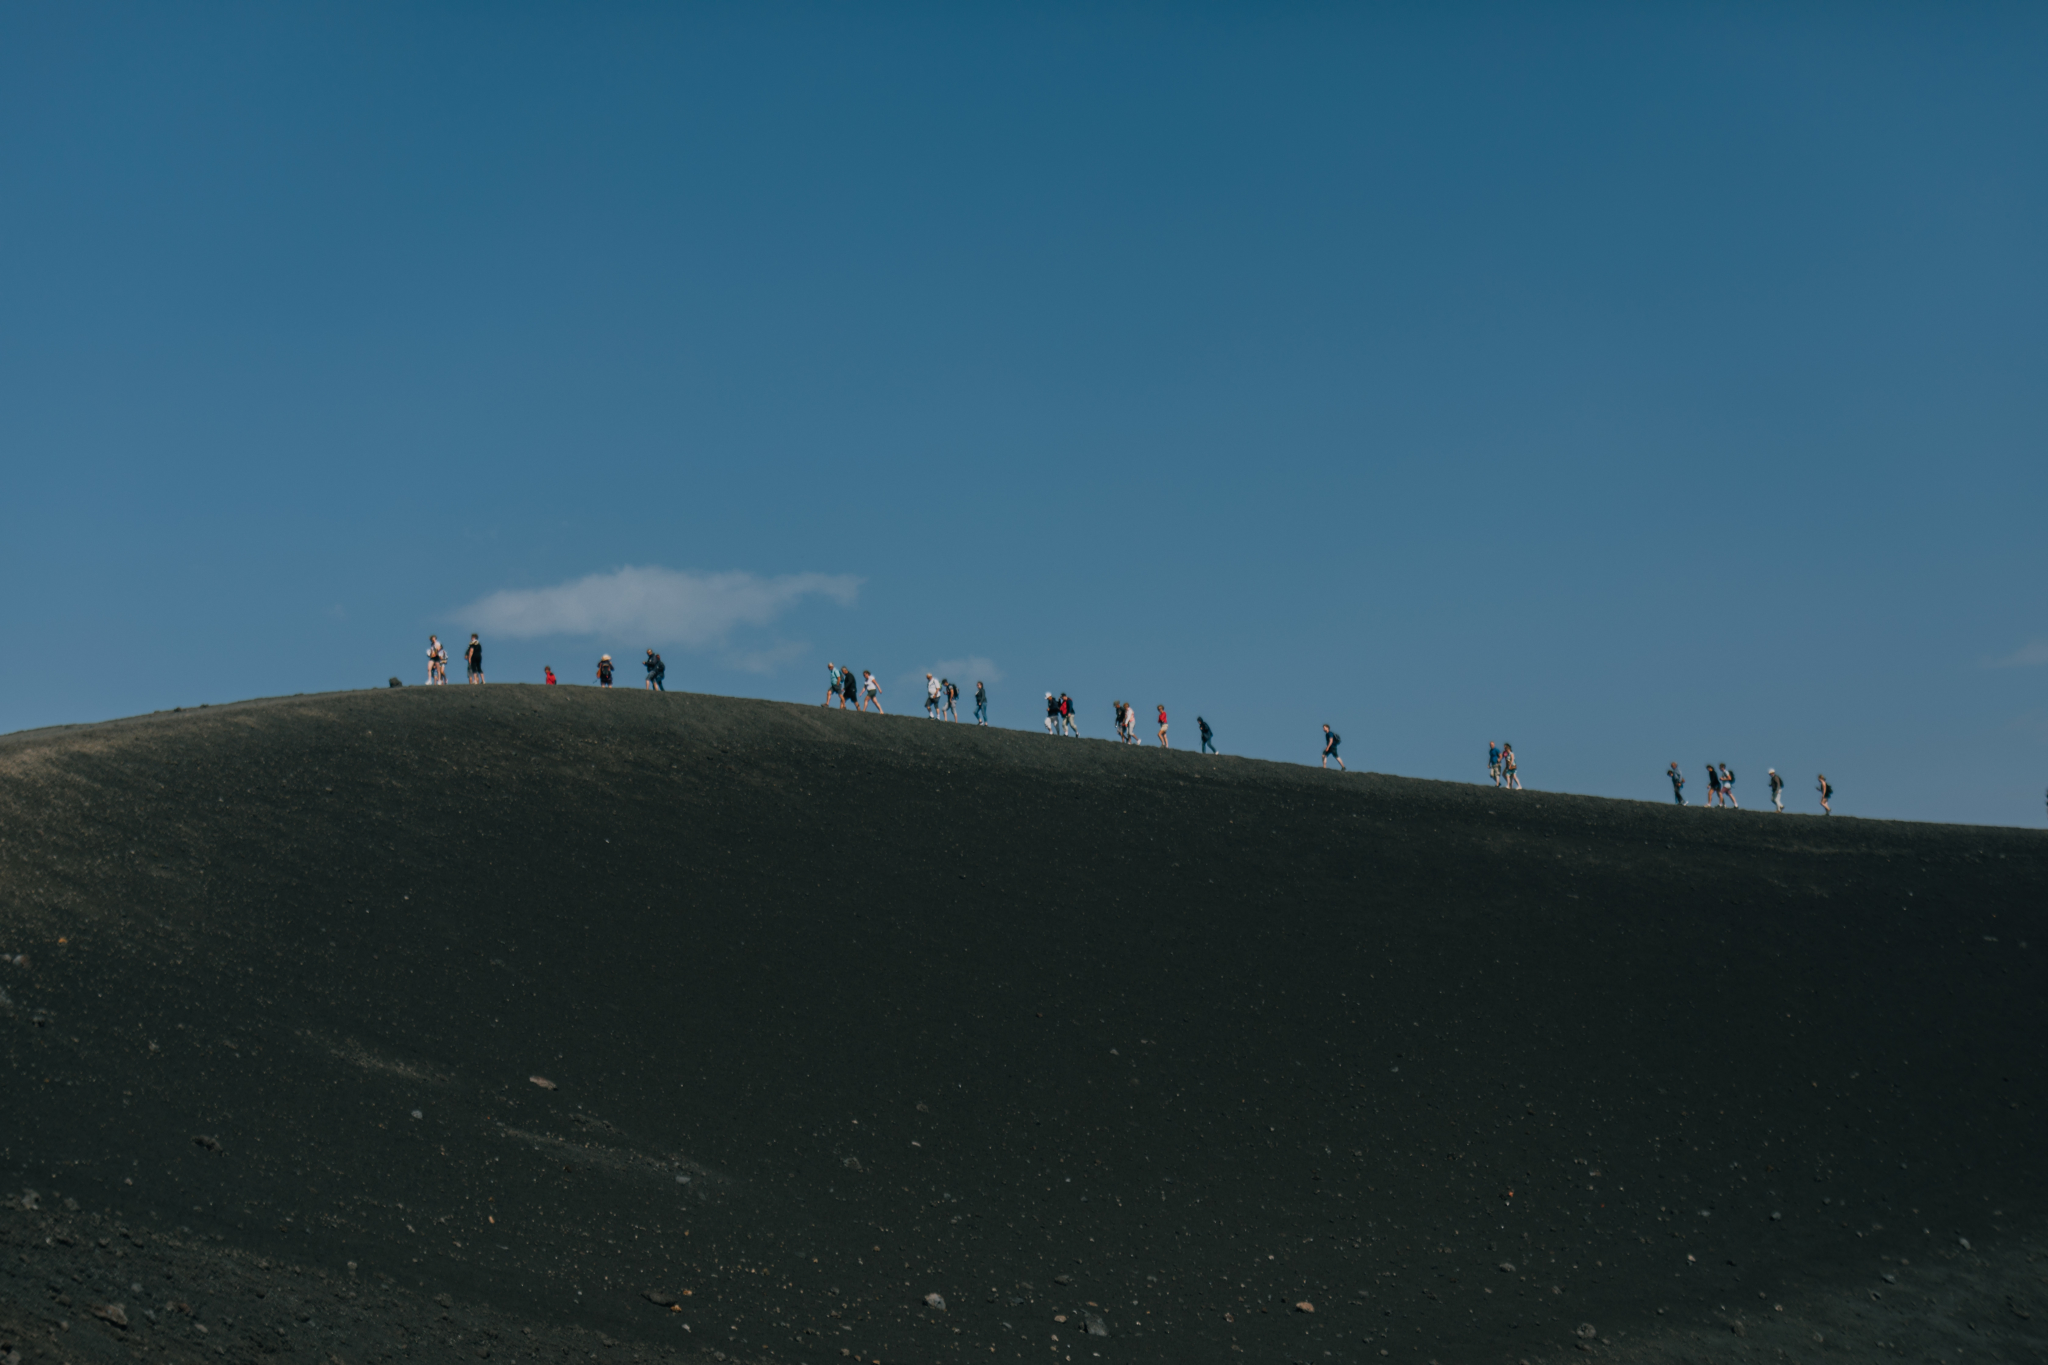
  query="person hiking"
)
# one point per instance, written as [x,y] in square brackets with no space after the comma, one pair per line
[1677,783]
[952,701]
[874,691]
[1728,786]
[550,671]
[1052,714]
[1067,716]
[980,703]
[656,672]
[849,689]
[437,661]
[1330,743]
[1208,736]
[1162,727]
[1508,779]
[1826,791]
[1129,718]
[475,655]
[1713,787]
[604,671]
[833,685]
[931,697]
[1777,791]
[1493,761]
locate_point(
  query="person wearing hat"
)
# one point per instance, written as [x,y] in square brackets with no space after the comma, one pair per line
[604,671]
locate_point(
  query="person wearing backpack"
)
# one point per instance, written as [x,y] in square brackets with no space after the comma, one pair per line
[1777,791]
[1073,727]
[1728,786]
[656,672]
[980,704]
[1330,742]
[1208,736]
[952,698]
[604,671]
[1713,787]
[1825,791]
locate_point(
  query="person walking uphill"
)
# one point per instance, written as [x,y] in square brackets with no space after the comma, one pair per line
[1713,787]
[952,698]
[980,704]
[1728,787]
[1677,783]
[849,689]
[1507,768]
[475,655]
[931,697]
[656,672]
[1826,790]
[1331,740]
[1208,736]
[604,671]
[1162,727]
[874,691]
[1777,791]
[1493,761]
[1067,716]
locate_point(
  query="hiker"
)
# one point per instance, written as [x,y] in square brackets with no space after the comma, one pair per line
[475,655]
[1052,714]
[1162,727]
[833,686]
[1208,735]
[931,697]
[604,671]
[1130,719]
[437,661]
[1825,791]
[1677,783]
[1507,768]
[656,672]
[1067,716]
[1493,761]
[1330,743]
[980,703]
[952,698]
[1777,791]
[1713,787]
[849,689]
[550,671]
[1728,786]
[874,691]
[1123,734]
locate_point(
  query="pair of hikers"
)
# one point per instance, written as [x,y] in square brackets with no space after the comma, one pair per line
[1500,765]
[437,661]
[1721,787]
[1059,716]
[940,698]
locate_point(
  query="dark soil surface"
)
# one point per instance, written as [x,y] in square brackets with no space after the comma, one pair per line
[1227,1060]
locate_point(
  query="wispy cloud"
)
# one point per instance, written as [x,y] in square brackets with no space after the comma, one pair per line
[972,669]
[657,606]
[2032,654]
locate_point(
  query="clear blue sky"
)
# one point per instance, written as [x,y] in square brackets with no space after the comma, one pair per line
[1632,383]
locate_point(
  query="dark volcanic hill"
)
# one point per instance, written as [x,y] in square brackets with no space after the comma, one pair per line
[836,1012]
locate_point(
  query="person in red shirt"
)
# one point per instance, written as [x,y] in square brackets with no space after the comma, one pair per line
[551,675]
[1162,727]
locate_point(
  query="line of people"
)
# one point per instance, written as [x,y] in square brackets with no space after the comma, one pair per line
[1721,788]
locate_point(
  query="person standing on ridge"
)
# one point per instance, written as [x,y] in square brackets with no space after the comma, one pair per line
[1067,716]
[931,697]
[437,661]
[1330,742]
[832,683]
[1052,714]
[1777,791]
[604,671]
[475,655]
[980,703]
[1162,727]
[1493,761]
[1507,767]
[1826,791]
[874,691]
[1208,736]
[1728,786]
[1677,783]
[657,671]
[952,700]
[549,669]
[849,689]
[1713,787]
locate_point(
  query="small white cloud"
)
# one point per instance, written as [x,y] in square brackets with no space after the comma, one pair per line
[656,606]
[2032,654]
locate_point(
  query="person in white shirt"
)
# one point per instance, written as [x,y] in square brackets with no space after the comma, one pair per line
[931,697]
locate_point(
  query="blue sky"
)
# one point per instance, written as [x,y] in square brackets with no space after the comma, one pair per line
[1631,383]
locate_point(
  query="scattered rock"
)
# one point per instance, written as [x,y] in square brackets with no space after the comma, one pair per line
[1304,1307]
[396,683]
[1776,1216]
[1096,1326]
[211,1144]
[541,1081]
[660,1298]
[418,1114]
[445,1300]
[30,1201]
[1736,1327]
[937,1301]
[70,1204]
[851,1163]
[1587,1330]
[112,1312]
[1964,1243]
[1063,1278]
[1890,1278]
[1507,1267]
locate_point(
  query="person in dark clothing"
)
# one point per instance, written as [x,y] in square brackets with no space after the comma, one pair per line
[1330,743]
[849,689]
[604,671]
[1073,726]
[1052,714]
[656,672]
[980,704]
[475,655]
[1677,783]
[1827,792]
[1777,791]
[1713,786]
[951,693]
[1208,736]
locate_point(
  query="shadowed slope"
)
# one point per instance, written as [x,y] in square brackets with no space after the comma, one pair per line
[841,1011]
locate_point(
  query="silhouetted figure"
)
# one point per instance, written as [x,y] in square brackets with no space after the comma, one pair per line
[1208,736]
[980,704]
[1330,742]
[1677,783]
[656,672]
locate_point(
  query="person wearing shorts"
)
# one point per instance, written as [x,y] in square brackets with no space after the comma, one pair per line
[874,690]
[849,689]
[1493,761]
[1728,786]
[1507,768]
[1330,743]
[475,655]
[1826,791]
[931,697]
[1162,726]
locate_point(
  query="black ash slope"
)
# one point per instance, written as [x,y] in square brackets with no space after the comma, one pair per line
[843,1011]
